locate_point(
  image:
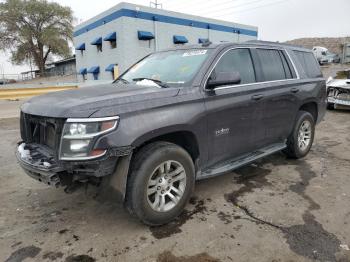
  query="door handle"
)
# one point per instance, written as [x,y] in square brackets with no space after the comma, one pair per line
[294,90]
[257,97]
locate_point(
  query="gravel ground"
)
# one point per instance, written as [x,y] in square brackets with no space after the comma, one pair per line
[276,209]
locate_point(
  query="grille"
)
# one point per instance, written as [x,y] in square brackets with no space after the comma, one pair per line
[344,96]
[41,130]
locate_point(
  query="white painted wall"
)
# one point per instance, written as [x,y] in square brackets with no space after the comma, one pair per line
[130,49]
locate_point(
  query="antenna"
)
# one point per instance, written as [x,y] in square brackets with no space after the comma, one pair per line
[155,4]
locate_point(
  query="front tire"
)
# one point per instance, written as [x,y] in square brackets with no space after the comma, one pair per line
[300,141]
[160,183]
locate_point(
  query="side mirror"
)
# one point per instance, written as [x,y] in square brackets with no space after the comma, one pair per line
[224,78]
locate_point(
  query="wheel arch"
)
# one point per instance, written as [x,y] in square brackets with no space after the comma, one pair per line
[311,107]
[179,136]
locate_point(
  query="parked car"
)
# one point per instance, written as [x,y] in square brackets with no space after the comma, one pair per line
[333,58]
[338,94]
[174,117]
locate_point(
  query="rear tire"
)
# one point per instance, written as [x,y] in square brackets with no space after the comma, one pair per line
[300,141]
[160,184]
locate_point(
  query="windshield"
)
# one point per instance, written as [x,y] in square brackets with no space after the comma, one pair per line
[168,68]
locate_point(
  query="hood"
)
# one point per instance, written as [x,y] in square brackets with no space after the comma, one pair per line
[84,102]
[339,83]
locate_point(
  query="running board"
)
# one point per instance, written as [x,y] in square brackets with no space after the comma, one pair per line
[235,163]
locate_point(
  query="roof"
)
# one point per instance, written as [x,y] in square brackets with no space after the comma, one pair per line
[161,15]
[251,43]
[63,61]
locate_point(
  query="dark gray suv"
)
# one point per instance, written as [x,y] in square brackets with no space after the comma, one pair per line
[174,117]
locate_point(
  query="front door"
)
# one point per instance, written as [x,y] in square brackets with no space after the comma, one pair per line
[234,112]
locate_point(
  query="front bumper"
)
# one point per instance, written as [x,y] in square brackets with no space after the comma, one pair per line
[39,163]
[341,102]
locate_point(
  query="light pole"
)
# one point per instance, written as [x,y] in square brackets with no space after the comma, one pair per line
[2,71]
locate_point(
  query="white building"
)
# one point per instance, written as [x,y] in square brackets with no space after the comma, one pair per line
[120,36]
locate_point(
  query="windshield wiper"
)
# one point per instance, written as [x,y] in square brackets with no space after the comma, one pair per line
[158,82]
[121,80]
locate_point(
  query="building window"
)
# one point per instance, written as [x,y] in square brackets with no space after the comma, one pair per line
[113,44]
[179,39]
[114,70]
[112,39]
[81,48]
[83,73]
[98,43]
[95,70]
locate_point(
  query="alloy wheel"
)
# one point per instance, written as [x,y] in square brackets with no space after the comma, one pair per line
[166,186]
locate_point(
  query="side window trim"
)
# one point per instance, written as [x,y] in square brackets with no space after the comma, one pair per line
[286,68]
[292,68]
[259,77]
[252,50]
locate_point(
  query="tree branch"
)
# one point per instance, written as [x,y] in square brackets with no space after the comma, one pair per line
[47,54]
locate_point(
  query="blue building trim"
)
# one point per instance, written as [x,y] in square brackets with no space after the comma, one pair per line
[94,70]
[180,39]
[164,19]
[83,71]
[97,41]
[81,47]
[145,35]
[111,37]
[110,68]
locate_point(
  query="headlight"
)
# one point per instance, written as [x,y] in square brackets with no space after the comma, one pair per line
[79,135]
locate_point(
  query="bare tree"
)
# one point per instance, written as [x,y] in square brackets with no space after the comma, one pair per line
[35,29]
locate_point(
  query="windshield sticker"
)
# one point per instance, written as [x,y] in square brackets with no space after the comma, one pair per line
[195,52]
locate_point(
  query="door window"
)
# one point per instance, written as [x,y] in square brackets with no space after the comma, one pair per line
[271,64]
[237,60]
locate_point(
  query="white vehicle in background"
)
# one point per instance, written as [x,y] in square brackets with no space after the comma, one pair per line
[324,56]
[321,54]
[338,93]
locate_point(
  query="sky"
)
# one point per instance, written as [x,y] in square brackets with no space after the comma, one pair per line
[277,20]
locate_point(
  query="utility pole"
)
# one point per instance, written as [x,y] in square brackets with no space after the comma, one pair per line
[155,4]
[2,71]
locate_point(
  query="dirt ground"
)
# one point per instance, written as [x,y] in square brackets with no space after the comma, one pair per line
[276,209]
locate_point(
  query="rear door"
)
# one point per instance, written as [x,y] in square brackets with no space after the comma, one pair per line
[233,115]
[280,101]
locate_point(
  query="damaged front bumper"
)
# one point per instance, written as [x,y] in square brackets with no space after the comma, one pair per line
[40,163]
[338,93]
[339,101]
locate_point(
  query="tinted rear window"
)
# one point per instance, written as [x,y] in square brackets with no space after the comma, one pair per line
[309,64]
[272,65]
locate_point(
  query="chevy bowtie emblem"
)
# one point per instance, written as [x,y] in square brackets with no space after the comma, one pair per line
[222,131]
